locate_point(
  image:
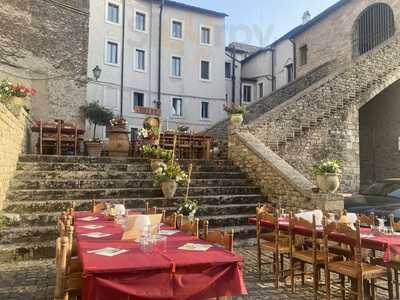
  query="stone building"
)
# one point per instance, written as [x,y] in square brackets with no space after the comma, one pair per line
[44,45]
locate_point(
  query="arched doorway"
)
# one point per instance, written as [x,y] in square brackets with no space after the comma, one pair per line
[374,26]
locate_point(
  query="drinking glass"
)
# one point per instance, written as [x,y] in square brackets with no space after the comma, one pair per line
[160,243]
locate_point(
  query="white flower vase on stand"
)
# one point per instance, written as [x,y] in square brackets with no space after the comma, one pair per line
[328,182]
[169,188]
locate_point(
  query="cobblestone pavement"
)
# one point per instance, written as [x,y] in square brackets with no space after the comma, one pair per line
[35,281]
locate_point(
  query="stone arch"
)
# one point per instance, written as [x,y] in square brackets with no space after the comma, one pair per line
[373,26]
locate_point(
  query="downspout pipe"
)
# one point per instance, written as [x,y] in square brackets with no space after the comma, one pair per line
[122,60]
[294,58]
[159,53]
[233,74]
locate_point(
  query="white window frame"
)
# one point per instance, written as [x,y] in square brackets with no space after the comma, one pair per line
[259,84]
[133,99]
[172,107]
[172,27]
[119,12]
[211,35]
[171,66]
[106,53]
[145,60]
[209,110]
[231,70]
[251,93]
[209,71]
[146,22]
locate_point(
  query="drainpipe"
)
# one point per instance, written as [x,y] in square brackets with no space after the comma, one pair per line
[294,58]
[159,53]
[273,69]
[122,59]
[233,74]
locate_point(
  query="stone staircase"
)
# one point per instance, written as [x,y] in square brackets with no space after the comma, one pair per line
[46,185]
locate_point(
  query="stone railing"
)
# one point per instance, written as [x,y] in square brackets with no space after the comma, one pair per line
[14,139]
[279,181]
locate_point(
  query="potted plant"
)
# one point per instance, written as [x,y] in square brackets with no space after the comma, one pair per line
[187,207]
[97,115]
[157,155]
[236,113]
[150,131]
[182,129]
[118,145]
[167,176]
[12,95]
[328,175]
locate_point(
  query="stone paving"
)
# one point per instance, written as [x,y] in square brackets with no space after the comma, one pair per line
[34,280]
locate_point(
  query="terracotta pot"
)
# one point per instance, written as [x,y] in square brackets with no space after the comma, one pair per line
[236,119]
[155,163]
[169,188]
[328,182]
[94,148]
[118,145]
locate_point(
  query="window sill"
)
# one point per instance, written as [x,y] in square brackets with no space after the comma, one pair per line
[176,77]
[205,80]
[176,39]
[140,71]
[113,23]
[141,31]
[208,120]
[112,65]
[177,117]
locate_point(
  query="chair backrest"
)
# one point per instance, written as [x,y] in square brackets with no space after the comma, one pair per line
[393,224]
[61,267]
[295,223]
[219,237]
[149,210]
[190,226]
[367,220]
[169,220]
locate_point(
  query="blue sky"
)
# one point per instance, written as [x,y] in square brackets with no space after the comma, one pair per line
[260,22]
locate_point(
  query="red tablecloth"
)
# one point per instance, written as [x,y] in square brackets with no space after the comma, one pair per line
[390,245]
[173,274]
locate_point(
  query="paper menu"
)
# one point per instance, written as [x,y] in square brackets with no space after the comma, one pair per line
[168,232]
[88,218]
[92,226]
[96,234]
[108,251]
[195,247]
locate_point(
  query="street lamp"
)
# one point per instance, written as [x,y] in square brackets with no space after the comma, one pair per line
[96,72]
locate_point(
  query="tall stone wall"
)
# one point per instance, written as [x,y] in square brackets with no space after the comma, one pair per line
[43,43]
[13,141]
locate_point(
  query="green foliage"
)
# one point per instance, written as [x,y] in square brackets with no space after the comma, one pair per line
[97,115]
[169,171]
[157,153]
[3,221]
[182,129]
[187,207]
[327,166]
[235,109]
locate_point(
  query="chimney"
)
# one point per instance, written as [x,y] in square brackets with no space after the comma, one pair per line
[306,17]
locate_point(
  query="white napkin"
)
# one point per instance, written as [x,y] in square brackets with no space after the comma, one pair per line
[108,251]
[92,226]
[195,247]
[120,209]
[168,232]
[308,216]
[352,218]
[88,218]
[96,235]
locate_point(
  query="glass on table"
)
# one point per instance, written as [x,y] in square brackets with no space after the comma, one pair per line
[160,243]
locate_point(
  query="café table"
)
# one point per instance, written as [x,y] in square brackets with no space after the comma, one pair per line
[167,274]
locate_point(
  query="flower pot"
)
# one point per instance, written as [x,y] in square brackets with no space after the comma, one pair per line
[94,148]
[328,182]
[15,104]
[236,119]
[118,145]
[169,188]
[152,122]
[155,163]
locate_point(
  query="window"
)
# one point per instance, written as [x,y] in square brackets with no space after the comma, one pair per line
[177,29]
[205,36]
[205,70]
[134,134]
[374,26]
[261,90]
[204,110]
[228,70]
[112,53]
[140,21]
[303,55]
[289,71]
[113,13]
[138,99]
[140,61]
[247,93]
[176,66]
[177,107]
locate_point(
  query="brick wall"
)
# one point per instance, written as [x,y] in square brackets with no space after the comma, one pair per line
[13,141]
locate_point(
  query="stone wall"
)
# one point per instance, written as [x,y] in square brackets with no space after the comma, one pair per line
[43,43]
[13,141]
[279,181]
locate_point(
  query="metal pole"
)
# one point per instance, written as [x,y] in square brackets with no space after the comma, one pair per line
[233,74]
[122,59]
[159,54]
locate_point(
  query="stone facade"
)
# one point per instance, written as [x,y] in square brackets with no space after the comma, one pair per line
[44,44]
[12,143]
[279,181]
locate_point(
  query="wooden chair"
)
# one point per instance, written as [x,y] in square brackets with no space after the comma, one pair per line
[277,247]
[169,220]
[150,210]
[184,146]
[66,283]
[354,269]
[219,237]
[303,255]
[367,221]
[190,226]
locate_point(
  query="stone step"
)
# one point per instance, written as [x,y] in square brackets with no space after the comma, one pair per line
[227,220]
[27,251]
[39,184]
[28,234]
[41,195]
[137,167]
[26,207]
[114,175]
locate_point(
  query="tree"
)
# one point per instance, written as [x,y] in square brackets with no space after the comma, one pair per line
[97,115]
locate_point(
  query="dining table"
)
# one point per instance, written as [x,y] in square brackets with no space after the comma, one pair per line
[389,244]
[167,273]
